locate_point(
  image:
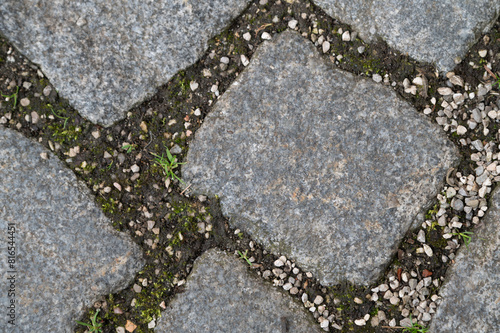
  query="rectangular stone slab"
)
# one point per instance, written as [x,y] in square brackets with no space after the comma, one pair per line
[317,164]
[106,56]
[223,296]
[66,253]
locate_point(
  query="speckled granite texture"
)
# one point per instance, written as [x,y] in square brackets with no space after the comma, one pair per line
[67,252]
[222,296]
[317,164]
[471,296]
[435,31]
[105,56]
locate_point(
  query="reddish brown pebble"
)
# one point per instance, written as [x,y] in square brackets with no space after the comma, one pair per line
[426,273]
[130,326]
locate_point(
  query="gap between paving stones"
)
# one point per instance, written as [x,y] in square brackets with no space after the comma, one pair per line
[66,136]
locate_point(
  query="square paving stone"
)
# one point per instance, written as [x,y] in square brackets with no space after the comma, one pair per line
[317,164]
[471,294]
[59,251]
[435,31]
[106,56]
[222,296]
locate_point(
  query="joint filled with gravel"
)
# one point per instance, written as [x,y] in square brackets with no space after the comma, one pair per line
[324,167]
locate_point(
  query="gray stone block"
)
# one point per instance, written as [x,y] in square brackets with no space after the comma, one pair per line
[105,56]
[435,31]
[222,296]
[317,164]
[471,294]
[67,253]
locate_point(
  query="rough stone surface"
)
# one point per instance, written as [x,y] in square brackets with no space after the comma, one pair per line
[324,167]
[434,31]
[471,296]
[67,252]
[105,56]
[223,296]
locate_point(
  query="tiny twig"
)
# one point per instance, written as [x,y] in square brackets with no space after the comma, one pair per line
[263,27]
[490,72]
[185,189]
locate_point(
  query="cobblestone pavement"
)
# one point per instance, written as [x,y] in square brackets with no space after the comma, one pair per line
[250,166]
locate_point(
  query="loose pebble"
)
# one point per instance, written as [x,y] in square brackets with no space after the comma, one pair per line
[445,91]
[377,78]
[265,36]
[326,46]
[244,60]
[428,250]
[193,85]
[25,102]
[346,36]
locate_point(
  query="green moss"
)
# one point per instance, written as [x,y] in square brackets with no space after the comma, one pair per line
[431,213]
[440,243]
[149,299]
[64,135]
[108,205]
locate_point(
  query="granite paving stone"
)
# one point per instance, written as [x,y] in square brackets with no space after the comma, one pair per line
[221,296]
[106,56]
[67,253]
[436,31]
[471,296]
[314,163]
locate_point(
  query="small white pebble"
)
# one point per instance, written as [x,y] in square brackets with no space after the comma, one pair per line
[25,102]
[445,91]
[247,36]
[265,36]
[346,36]
[461,130]
[318,300]
[244,60]
[292,24]
[278,263]
[34,117]
[193,85]
[428,250]
[377,78]
[483,53]
[360,322]
[418,81]
[325,46]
